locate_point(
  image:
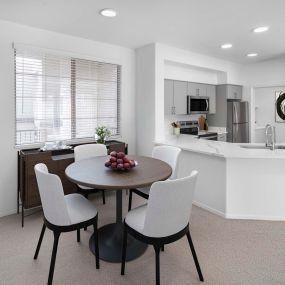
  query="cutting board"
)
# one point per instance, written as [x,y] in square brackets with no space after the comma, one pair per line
[201,122]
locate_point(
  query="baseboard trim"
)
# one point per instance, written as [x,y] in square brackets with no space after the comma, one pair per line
[239,217]
[212,210]
[8,213]
[254,217]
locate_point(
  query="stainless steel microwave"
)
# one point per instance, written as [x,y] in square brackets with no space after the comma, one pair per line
[197,105]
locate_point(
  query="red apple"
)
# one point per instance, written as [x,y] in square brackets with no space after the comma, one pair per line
[132,163]
[113,159]
[120,154]
[113,153]
[126,165]
[114,165]
[120,166]
[119,160]
[126,159]
[108,163]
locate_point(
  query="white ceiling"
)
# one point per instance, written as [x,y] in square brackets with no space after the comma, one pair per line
[197,25]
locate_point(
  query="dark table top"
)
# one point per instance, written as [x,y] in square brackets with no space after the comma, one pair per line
[93,173]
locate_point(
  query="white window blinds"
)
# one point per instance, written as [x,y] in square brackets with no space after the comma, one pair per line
[63,98]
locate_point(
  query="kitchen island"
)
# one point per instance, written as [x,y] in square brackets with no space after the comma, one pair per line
[239,181]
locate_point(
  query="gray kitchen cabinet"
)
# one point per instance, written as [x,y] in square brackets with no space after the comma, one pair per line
[211,93]
[234,92]
[180,97]
[196,89]
[168,97]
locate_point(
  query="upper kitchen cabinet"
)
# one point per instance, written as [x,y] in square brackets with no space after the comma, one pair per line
[180,97]
[168,97]
[196,89]
[234,92]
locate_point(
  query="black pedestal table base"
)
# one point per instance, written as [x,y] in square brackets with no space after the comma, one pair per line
[111,239]
[111,244]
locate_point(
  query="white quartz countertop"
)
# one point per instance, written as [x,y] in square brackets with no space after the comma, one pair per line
[219,148]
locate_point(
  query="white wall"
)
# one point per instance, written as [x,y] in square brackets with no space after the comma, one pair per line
[260,79]
[188,73]
[9,33]
[265,112]
[145,98]
[265,74]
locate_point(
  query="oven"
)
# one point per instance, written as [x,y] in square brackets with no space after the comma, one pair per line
[189,127]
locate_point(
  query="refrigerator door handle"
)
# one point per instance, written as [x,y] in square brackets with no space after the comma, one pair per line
[235,119]
[235,132]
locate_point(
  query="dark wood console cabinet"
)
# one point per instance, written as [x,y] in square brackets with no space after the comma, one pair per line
[56,161]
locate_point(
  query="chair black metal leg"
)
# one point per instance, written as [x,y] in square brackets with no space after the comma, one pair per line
[96,243]
[195,257]
[103,196]
[130,200]
[53,257]
[78,235]
[86,196]
[40,241]
[124,251]
[162,248]
[157,266]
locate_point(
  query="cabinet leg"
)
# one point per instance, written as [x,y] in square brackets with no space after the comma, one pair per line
[18,206]
[22,215]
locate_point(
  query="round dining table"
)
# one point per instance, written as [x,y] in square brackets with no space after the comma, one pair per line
[93,173]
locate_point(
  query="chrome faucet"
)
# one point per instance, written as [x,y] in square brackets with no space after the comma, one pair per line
[270,133]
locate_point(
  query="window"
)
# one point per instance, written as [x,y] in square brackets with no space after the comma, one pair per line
[64,98]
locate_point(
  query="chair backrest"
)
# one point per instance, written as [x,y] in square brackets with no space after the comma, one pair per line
[169,206]
[89,150]
[170,155]
[52,196]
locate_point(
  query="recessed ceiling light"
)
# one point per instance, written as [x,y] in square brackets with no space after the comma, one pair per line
[108,12]
[261,29]
[225,46]
[253,54]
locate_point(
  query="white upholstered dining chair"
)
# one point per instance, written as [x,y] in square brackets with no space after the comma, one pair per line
[87,151]
[164,219]
[63,213]
[168,154]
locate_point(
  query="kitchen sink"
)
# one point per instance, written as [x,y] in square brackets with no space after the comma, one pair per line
[254,146]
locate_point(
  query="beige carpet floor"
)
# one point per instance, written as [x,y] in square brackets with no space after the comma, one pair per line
[229,251]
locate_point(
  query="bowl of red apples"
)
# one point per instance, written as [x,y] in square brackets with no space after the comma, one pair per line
[119,161]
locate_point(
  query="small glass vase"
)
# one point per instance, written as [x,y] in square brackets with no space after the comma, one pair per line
[100,140]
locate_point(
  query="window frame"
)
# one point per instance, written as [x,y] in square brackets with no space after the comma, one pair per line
[73,139]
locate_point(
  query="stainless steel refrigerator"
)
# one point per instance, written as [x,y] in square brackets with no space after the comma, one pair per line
[237,122]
